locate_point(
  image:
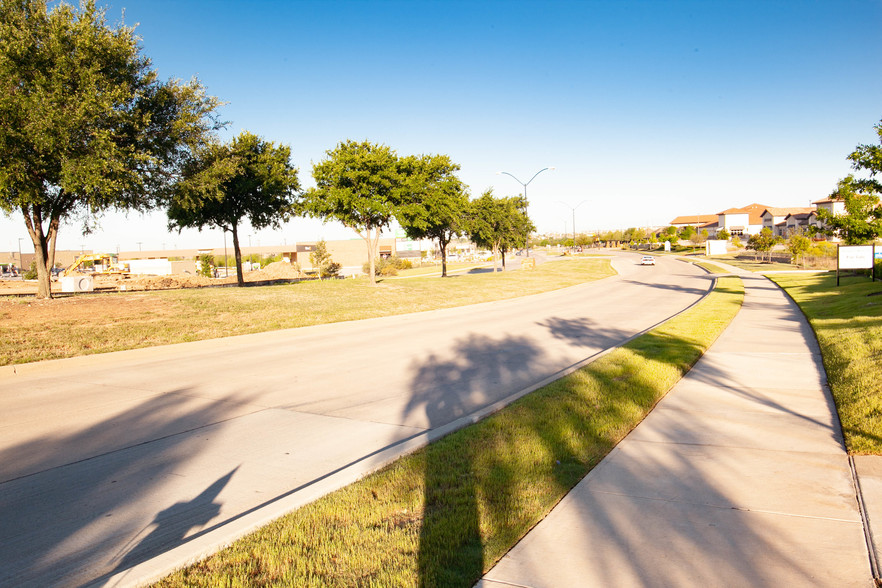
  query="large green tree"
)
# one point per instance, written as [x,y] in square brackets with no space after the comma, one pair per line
[499,224]
[227,183]
[85,124]
[436,202]
[798,245]
[763,242]
[862,221]
[360,185]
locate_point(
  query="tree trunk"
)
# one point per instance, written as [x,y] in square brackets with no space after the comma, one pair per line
[495,257]
[502,251]
[240,279]
[371,243]
[442,245]
[53,236]
[372,253]
[34,221]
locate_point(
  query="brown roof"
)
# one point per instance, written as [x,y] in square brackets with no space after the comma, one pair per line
[801,215]
[754,212]
[785,211]
[695,219]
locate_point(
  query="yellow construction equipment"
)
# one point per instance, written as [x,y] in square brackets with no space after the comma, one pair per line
[102,263]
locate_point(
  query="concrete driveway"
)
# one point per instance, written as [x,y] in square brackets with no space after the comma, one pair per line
[117,467]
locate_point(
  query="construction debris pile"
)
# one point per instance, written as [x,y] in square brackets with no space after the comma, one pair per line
[279,270]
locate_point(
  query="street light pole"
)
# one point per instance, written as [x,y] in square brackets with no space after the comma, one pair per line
[20,262]
[525,184]
[574,219]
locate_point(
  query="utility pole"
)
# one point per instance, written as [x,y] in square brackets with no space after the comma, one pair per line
[574,219]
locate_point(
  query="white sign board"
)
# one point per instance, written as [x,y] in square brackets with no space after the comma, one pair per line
[156,267]
[715,247]
[855,256]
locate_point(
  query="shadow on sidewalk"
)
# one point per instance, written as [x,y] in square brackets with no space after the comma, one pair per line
[474,503]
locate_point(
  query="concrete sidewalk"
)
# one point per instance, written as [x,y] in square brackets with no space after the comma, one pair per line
[739,477]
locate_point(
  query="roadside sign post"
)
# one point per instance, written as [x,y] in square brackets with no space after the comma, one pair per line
[855,257]
[877,259]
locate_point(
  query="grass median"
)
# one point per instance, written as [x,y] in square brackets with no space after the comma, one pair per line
[847,321]
[34,330]
[445,514]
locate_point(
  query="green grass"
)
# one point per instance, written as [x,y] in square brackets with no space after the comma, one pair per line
[444,515]
[32,330]
[847,321]
[711,267]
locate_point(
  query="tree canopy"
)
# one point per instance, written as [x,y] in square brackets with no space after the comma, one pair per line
[763,242]
[225,184]
[85,124]
[862,221]
[499,224]
[360,185]
[436,202]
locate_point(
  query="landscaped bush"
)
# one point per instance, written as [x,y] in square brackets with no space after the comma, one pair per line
[31,272]
[388,266]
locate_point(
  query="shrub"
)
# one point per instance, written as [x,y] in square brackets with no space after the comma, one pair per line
[331,270]
[388,266]
[31,272]
[321,261]
[205,263]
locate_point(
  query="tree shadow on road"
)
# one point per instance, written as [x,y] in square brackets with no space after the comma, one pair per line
[65,500]
[172,525]
[450,546]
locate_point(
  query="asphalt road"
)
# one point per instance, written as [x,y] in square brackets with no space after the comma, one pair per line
[157,455]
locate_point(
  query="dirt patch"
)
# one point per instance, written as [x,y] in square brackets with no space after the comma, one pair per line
[153,282]
[276,271]
[76,309]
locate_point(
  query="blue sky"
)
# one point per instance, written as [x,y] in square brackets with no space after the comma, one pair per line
[648,110]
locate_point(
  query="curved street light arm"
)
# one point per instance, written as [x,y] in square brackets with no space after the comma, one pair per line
[537,173]
[517,180]
[525,184]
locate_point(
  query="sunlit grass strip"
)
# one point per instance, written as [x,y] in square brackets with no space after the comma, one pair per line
[847,321]
[445,514]
[101,323]
[711,267]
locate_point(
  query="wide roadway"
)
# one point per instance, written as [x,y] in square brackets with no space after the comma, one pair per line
[114,467]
